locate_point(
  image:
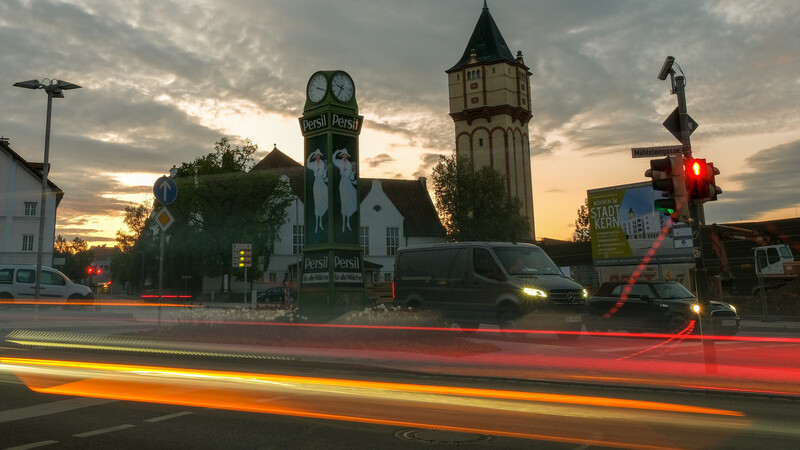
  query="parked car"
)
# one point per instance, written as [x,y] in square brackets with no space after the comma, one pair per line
[653,306]
[271,295]
[18,283]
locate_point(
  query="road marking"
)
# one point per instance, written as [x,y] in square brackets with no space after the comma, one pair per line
[104,430]
[33,445]
[167,417]
[50,408]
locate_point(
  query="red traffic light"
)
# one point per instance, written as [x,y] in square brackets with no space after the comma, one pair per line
[696,173]
[98,271]
[90,270]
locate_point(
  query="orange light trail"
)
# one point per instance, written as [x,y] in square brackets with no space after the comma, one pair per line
[418,388]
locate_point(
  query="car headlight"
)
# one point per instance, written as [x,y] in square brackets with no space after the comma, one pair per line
[733,308]
[585,293]
[533,292]
[696,308]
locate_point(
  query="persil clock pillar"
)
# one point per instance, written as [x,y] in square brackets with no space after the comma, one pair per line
[332,267]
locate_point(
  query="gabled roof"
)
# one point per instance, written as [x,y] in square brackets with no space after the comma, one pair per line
[35,169]
[276,159]
[487,42]
[412,200]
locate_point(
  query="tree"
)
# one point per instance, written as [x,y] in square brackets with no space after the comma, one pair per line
[76,254]
[582,231]
[133,247]
[220,202]
[474,204]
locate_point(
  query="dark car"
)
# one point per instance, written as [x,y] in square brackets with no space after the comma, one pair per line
[271,295]
[654,306]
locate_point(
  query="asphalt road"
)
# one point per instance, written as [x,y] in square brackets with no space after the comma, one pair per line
[553,416]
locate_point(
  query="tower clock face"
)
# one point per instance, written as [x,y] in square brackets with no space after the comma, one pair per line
[317,87]
[342,87]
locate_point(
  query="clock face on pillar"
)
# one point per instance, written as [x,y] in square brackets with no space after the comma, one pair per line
[317,87]
[342,87]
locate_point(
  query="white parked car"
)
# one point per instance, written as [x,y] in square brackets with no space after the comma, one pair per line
[18,284]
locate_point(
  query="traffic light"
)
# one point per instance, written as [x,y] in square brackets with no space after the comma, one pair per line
[713,189]
[696,174]
[242,255]
[668,176]
[90,270]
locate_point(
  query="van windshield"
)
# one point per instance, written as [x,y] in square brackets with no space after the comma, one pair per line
[526,261]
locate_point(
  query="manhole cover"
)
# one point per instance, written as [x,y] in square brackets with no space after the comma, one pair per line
[442,437]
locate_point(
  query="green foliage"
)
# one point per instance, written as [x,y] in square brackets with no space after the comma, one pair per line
[474,204]
[582,232]
[134,247]
[220,203]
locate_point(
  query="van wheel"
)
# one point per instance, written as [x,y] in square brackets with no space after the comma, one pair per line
[508,325]
[75,298]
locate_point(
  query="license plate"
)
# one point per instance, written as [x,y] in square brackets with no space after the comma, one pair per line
[728,322]
[572,319]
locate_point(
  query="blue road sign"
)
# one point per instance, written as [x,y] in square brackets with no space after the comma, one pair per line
[165,190]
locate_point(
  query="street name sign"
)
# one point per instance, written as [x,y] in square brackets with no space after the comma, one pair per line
[663,150]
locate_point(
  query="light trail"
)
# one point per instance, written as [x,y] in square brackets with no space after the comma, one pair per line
[12,363]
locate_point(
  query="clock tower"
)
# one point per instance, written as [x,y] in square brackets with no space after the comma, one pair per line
[332,267]
[490,104]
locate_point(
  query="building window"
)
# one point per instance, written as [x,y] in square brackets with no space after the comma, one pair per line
[273,277]
[392,240]
[387,277]
[480,142]
[30,208]
[364,239]
[27,242]
[298,239]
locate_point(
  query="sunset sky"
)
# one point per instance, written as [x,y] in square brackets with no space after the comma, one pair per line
[162,81]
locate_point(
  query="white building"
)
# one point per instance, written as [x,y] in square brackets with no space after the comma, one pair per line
[394,213]
[20,207]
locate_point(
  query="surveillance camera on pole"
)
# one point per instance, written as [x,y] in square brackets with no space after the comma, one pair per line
[666,69]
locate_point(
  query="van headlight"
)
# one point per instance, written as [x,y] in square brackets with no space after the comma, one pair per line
[696,308]
[533,292]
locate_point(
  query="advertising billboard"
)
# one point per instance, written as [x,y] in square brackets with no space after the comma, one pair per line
[626,229]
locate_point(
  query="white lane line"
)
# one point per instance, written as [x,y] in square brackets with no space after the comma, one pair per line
[104,430]
[44,409]
[167,417]
[33,445]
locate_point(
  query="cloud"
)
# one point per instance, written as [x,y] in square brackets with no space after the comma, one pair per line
[158,77]
[770,183]
[379,160]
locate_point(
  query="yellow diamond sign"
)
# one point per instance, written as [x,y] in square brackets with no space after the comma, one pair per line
[164,219]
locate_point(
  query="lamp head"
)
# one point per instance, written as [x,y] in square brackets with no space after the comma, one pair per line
[30,84]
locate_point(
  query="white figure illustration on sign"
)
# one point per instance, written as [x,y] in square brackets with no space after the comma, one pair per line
[319,167]
[347,185]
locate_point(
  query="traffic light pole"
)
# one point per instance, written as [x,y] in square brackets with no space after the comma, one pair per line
[697,220]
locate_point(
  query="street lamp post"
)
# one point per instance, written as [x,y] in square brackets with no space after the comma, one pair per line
[54,89]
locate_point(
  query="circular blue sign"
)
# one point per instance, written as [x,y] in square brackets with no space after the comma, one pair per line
[165,190]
